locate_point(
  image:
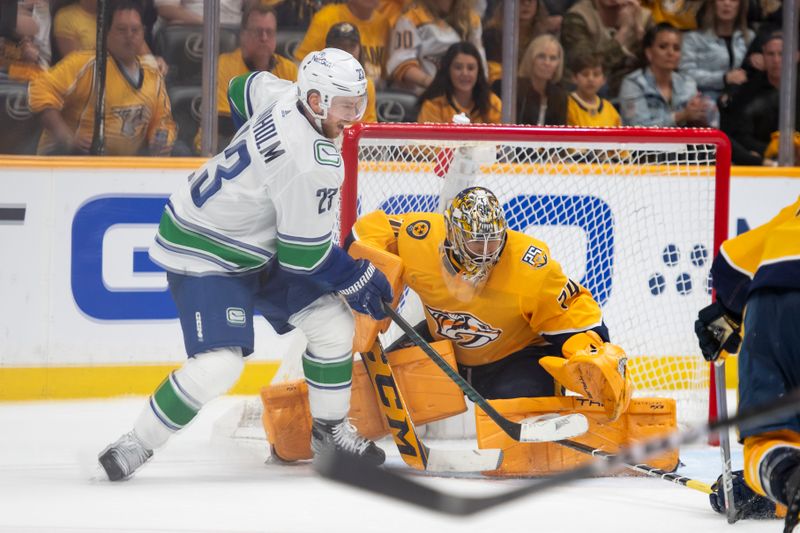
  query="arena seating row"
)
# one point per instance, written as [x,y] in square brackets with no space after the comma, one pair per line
[182,48]
[20,129]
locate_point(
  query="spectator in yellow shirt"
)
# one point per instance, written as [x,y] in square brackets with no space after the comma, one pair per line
[258,39]
[584,107]
[372,27]
[75,28]
[137,119]
[460,86]
[345,36]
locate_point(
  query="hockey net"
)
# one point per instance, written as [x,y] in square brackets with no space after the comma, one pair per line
[633,214]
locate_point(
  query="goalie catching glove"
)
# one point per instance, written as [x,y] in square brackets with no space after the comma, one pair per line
[368,291]
[596,370]
[717,329]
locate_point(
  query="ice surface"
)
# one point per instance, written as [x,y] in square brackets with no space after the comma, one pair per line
[202,483]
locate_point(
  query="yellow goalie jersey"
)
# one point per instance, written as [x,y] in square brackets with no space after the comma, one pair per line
[765,257]
[527,300]
[136,115]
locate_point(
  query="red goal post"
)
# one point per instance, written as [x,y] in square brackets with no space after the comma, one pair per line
[635,214]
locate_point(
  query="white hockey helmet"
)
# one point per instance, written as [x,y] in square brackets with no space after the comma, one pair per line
[333,72]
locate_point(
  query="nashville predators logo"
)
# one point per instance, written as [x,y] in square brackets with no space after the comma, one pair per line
[419,229]
[464,329]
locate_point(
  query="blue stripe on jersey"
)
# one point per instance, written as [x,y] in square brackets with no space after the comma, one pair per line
[306,240]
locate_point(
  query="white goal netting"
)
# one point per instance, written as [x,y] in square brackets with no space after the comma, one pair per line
[629,213]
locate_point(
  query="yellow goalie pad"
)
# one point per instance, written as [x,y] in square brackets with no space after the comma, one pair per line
[287,415]
[391,265]
[429,394]
[645,418]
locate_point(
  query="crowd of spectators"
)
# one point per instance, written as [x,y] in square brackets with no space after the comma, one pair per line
[581,62]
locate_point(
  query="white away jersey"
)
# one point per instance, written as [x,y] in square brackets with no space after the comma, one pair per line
[273,191]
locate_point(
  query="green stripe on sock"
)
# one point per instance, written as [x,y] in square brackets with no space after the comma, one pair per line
[172,405]
[328,373]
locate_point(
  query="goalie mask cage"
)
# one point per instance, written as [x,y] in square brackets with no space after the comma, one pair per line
[634,214]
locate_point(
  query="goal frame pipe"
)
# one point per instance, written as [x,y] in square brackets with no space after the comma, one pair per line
[505,132]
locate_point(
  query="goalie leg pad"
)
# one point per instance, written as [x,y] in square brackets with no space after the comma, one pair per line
[645,418]
[429,394]
[287,415]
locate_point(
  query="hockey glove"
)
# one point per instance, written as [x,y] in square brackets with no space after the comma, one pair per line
[597,372]
[717,329]
[748,503]
[368,291]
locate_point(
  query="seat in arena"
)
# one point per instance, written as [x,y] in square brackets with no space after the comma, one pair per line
[186,113]
[19,127]
[392,105]
[288,39]
[181,46]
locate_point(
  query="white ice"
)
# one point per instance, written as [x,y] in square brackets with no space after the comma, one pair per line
[201,483]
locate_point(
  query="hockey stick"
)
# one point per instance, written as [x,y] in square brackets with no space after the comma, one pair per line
[413,451]
[645,469]
[577,446]
[724,443]
[98,134]
[356,472]
[534,429]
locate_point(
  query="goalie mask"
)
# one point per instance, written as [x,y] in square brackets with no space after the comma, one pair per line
[339,79]
[476,233]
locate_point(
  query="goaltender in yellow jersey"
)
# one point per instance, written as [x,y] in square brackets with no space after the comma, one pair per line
[503,301]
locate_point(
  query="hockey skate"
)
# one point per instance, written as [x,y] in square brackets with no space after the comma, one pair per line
[341,435]
[123,457]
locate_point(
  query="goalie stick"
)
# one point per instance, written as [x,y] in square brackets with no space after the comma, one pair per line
[577,446]
[413,451]
[356,472]
[535,429]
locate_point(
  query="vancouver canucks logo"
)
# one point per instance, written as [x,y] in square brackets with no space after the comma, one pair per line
[463,328]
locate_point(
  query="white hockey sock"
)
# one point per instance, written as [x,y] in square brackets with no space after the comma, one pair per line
[179,398]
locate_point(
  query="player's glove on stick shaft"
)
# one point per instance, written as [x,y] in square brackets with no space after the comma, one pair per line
[717,329]
[368,288]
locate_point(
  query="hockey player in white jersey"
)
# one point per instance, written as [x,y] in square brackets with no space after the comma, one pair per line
[251,231]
